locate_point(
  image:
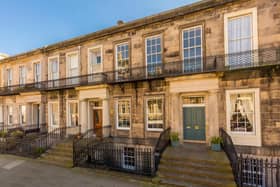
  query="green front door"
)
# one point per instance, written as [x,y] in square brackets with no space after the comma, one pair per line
[194,123]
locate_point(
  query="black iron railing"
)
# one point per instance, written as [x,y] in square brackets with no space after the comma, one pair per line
[162,143]
[137,159]
[259,172]
[133,155]
[231,153]
[81,142]
[34,147]
[216,63]
[251,171]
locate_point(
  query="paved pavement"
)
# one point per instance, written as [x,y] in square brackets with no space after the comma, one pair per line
[19,172]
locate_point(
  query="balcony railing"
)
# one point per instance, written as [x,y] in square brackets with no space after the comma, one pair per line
[217,63]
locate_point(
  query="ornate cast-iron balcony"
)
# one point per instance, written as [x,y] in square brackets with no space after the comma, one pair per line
[193,65]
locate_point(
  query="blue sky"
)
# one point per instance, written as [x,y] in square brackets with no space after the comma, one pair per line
[29,24]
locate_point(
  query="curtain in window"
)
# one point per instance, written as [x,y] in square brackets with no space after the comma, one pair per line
[240,41]
[242,112]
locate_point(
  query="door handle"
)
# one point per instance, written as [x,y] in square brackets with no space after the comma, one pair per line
[188,127]
[196,127]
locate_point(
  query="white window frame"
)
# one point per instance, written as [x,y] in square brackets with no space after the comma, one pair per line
[89,58]
[20,114]
[68,65]
[68,111]
[8,116]
[251,11]
[116,55]
[117,114]
[245,138]
[50,74]
[49,114]
[9,72]
[201,45]
[22,79]
[146,113]
[128,167]
[40,71]
[1,114]
[146,55]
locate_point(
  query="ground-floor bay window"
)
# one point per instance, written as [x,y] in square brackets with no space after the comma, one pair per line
[154,113]
[243,116]
[73,114]
[123,116]
[53,115]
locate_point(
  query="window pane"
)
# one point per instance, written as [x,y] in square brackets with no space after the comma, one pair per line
[192,49]
[154,54]
[155,113]
[123,114]
[242,112]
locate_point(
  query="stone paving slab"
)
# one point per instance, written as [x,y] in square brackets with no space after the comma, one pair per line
[30,173]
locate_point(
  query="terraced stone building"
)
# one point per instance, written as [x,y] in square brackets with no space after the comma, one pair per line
[209,65]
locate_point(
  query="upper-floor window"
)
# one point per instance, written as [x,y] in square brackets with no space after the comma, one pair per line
[192,49]
[154,55]
[22,75]
[241,38]
[53,68]
[123,114]
[95,60]
[122,60]
[37,72]
[9,77]
[72,64]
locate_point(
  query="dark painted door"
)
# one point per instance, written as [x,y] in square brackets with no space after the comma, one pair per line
[194,123]
[97,121]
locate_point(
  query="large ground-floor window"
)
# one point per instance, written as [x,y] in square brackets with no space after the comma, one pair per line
[73,115]
[241,110]
[154,113]
[22,114]
[123,113]
[54,114]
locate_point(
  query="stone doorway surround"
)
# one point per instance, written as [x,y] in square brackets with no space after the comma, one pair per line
[206,85]
[93,93]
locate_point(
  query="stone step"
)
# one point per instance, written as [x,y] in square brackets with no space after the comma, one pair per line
[197,172]
[57,163]
[196,165]
[57,158]
[194,181]
[195,160]
[60,152]
[61,148]
[65,145]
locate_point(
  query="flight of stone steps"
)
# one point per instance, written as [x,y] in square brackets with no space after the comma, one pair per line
[194,172]
[60,155]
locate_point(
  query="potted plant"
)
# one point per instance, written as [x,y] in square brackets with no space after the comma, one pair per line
[174,137]
[216,142]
